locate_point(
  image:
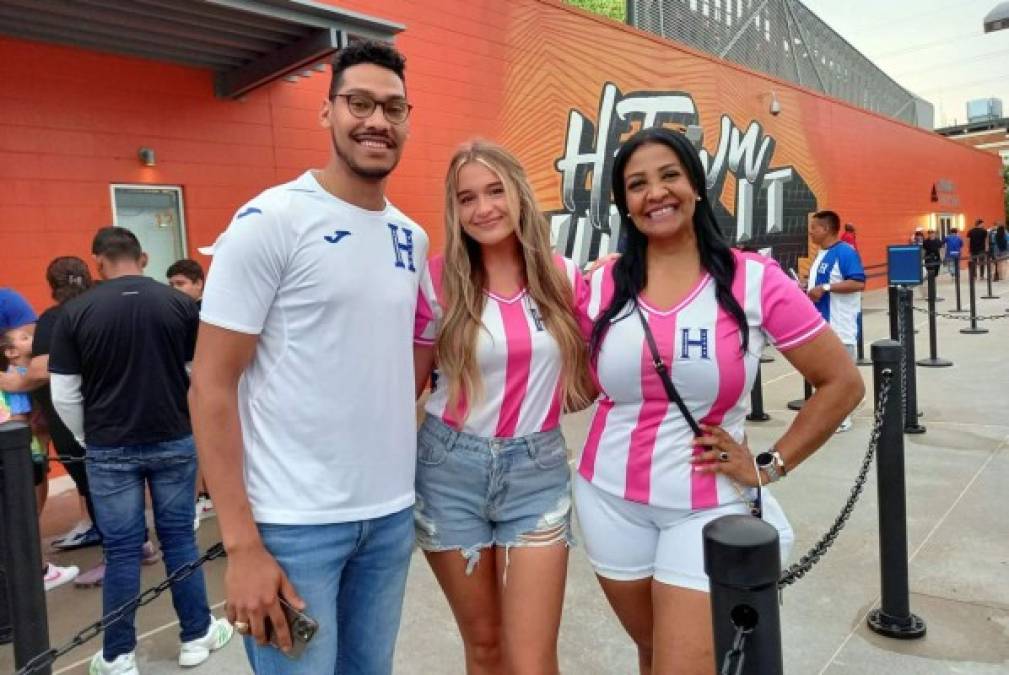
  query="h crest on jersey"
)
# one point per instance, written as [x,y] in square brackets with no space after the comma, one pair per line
[699,342]
[402,245]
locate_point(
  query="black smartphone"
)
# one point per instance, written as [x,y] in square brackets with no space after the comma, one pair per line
[303,629]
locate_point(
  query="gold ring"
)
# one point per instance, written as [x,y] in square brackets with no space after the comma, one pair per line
[241,626]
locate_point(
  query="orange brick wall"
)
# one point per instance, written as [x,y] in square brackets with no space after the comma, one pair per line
[72,120]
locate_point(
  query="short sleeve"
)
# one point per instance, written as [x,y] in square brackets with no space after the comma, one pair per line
[428,316]
[43,339]
[14,310]
[247,270]
[64,357]
[789,319]
[850,264]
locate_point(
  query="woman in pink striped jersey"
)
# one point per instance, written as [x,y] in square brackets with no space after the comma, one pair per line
[654,471]
[497,314]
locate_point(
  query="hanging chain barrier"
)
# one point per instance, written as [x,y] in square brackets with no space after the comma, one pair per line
[798,570]
[736,655]
[92,631]
[962,317]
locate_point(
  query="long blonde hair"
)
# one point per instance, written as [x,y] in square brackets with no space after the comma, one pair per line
[464,279]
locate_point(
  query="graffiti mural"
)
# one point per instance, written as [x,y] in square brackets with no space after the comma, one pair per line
[771,206]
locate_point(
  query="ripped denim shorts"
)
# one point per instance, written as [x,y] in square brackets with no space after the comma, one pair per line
[474,492]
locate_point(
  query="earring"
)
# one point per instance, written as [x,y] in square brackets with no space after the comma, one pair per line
[699,198]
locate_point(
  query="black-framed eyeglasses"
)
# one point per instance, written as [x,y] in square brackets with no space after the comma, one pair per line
[395,110]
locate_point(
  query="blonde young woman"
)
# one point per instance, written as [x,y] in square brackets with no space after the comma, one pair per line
[496,322]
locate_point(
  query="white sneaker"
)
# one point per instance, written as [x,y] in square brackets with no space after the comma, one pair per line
[195,652]
[845,426]
[204,507]
[125,664]
[56,576]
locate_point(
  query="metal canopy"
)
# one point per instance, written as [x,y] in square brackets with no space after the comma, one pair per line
[246,42]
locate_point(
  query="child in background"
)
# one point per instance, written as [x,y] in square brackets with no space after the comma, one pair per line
[16,354]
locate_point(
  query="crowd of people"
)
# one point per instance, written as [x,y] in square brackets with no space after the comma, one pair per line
[987,249]
[323,320]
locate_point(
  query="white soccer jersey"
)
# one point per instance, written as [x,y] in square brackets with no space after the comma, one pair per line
[639,445]
[327,403]
[519,361]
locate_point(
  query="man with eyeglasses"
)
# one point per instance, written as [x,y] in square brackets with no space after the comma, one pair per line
[302,393]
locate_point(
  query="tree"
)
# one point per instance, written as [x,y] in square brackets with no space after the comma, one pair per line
[614,9]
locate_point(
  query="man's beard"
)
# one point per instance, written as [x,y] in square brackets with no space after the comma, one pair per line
[367,174]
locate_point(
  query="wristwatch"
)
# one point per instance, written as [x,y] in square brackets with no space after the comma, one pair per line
[772,465]
[826,288]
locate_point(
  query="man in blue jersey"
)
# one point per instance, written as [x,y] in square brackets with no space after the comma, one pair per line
[836,280]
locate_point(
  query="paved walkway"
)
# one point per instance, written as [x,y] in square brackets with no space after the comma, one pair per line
[958,539]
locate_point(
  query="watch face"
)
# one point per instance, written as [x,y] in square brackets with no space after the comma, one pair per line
[765,459]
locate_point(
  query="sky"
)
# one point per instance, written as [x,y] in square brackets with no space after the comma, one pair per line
[936,49]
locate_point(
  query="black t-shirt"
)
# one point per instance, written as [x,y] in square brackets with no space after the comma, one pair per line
[129,339]
[932,248]
[41,345]
[978,238]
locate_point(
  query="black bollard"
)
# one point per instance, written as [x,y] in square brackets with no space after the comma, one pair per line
[973,329]
[911,414]
[933,360]
[807,391]
[743,562]
[893,618]
[22,557]
[956,281]
[757,413]
[987,263]
[860,359]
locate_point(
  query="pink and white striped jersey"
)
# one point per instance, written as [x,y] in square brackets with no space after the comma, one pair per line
[639,445]
[519,360]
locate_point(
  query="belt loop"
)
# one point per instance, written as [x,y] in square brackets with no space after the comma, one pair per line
[531,445]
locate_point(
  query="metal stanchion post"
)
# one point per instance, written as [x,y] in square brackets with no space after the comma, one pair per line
[973,329]
[987,263]
[911,414]
[22,557]
[891,299]
[757,413]
[893,618]
[933,360]
[743,562]
[860,359]
[956,281]
[807,391]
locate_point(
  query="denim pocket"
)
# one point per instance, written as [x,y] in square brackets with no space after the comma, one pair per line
[430,451]
[549,453]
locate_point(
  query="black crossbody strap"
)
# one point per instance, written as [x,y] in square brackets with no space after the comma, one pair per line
[663,372]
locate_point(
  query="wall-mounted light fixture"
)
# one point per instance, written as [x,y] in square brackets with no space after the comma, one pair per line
[146,156]
[775,104]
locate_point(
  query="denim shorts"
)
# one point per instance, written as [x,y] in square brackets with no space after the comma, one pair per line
[474,492]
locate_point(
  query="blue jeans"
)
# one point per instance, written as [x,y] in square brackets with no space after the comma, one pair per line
[117,477]
[352,577]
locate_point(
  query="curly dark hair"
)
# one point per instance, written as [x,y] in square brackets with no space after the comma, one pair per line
[68,277]
[630,271]
[366,51]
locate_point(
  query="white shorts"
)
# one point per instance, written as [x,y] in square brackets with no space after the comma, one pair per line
[626,540]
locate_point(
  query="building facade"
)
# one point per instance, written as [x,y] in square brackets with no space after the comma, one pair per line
[556,85]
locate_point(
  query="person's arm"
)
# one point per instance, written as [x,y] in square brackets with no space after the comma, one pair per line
[36,376]
[69,403]
[423,364]
[253,578]
[837,388]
